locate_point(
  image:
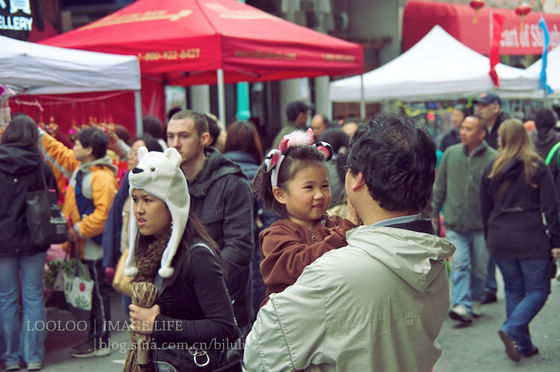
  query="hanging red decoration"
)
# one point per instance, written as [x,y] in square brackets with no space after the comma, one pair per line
[476,5]
[522,11]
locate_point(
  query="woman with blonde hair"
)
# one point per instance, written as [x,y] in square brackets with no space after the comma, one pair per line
[516,191]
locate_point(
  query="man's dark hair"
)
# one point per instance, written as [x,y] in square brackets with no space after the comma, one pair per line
[152,144]
[213,128]
[335,137]
[172,112]
[21,129]
[397,160]
[293,109]
[153,126]
[545,120]
[94,138]
[122,133]
[200,122]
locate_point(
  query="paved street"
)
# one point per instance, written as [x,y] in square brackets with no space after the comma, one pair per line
[474,348]
[478,347]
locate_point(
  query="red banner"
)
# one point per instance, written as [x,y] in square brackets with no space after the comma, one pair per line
[497,25]
[458,20]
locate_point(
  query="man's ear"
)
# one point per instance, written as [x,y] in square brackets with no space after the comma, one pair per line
[205,139]
[279,195]
[482,134]
[89,150]
[356,181]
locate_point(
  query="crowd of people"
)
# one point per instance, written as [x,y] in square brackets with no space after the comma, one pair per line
[496,190]
[315,253]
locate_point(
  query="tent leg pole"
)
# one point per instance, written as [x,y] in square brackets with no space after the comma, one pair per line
[221,98]
[138,113]
[362,99]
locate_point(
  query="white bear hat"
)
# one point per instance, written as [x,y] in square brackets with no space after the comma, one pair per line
[160,174]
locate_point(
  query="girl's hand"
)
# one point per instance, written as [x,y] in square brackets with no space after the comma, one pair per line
[142,319]
[556,253]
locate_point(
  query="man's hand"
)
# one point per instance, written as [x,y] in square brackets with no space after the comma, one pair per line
[556,253]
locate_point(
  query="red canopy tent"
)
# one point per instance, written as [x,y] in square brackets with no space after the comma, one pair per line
[189,42]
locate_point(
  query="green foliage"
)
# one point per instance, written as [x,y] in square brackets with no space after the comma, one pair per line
[69,267]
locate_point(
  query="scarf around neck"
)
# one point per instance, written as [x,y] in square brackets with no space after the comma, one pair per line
[148,259]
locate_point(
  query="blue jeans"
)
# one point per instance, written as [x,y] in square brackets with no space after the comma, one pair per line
[468,266]
[491,286]
[527,288]
[23,339]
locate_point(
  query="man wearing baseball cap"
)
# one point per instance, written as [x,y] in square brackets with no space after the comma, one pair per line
[488,108]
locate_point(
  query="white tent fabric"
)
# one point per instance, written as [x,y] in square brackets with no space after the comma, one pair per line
[552,73]
[437,67]
[31,68]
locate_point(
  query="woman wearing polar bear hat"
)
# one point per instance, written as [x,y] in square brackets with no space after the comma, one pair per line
[193,306]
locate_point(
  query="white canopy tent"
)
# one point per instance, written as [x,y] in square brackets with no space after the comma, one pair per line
[30,68]
[437,67]
[552,73]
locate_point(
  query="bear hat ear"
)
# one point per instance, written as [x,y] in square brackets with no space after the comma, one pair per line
[173,155]
[142,151]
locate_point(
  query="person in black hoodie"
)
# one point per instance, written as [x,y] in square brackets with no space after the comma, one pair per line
[21,170]
[516,191]
[545,139]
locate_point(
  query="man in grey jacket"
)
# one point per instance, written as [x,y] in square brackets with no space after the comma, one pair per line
[221,198]
[457,190]
[377,304]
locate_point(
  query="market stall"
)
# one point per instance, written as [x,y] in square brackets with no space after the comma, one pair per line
[193,42]
[34,69]
[438,67]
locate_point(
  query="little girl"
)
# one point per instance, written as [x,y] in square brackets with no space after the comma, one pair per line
[293,182]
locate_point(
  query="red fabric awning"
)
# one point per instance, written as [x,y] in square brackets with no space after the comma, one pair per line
[186,41]
[458,20]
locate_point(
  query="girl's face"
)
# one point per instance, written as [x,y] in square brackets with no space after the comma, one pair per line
[132,159]
[306,196]
[151,213]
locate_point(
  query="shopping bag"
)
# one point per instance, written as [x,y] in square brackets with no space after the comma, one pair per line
[44,219]
[78,289]
[53,284]
[121,282]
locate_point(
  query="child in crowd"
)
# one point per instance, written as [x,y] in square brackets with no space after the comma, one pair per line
[293,182]
[87,201]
